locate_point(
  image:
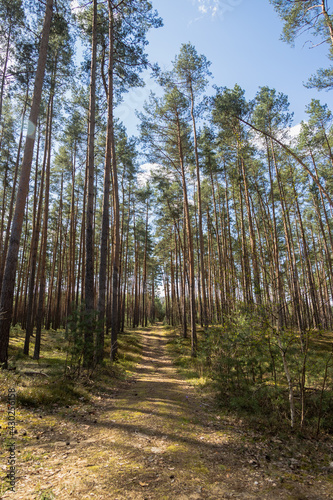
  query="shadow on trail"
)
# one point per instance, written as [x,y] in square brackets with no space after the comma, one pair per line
[135,429]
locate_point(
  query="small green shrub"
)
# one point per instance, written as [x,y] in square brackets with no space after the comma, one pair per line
[46,495]
[78,323]
[243,360]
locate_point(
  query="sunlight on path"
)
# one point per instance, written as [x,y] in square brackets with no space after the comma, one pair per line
[165,440]
[154,438]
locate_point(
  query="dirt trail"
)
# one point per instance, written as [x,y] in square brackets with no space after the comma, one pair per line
[155,438]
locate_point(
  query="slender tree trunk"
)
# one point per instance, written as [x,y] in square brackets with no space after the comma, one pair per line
[12,199]
[106,197]
[256,274]
[144,278]
[219,251]
[116,212]
[50,298]
[4,70]
[72,239]
[21,281]
[56,317]
[178,271]
[7,291]
[89,260]
[201,240]
[289,380]
[34,246]
[190,247]
[183,273]
[41,298]
[136,267]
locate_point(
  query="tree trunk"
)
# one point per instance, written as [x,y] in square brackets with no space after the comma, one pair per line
[190,247]
[116,212]
[7,291]
[12,199]
[89,260]
[34,247]
[201,240]
[106,205]
[41,298]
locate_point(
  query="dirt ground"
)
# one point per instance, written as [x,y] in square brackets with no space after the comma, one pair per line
[157,437]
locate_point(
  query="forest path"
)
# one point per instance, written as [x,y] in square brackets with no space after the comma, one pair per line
[155,438]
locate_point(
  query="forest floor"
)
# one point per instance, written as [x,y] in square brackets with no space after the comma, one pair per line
[158,437]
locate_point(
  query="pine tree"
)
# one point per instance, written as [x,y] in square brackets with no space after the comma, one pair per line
[308,16]
[7,291]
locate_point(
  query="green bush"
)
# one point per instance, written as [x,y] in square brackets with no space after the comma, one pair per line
[243,358]
[78,323]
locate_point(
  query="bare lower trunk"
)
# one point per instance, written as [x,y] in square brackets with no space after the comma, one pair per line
[290,382]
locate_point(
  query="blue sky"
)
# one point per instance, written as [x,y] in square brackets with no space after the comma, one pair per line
[241,38]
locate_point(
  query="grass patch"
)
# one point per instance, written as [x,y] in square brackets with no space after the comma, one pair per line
[129,350]
[46,495]
[62,392]
[188,367]
[45,382]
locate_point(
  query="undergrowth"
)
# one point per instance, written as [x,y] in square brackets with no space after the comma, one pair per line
[48,381]
[48,389]
[242,362]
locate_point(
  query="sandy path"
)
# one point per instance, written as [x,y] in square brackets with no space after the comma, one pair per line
[155,438]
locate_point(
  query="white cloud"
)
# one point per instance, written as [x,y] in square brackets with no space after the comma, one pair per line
[144,174]
[216,8]
[286,136]
[207,6]
[295,130]
[76,7]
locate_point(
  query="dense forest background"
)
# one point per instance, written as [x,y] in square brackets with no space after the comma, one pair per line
[230,231]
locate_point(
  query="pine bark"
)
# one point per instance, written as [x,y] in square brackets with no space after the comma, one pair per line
[7,291]
[190,245]
[89,258]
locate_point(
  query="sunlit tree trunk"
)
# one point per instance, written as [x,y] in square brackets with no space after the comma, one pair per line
[30,320]
[4,248]
[116,211]
[41,297]
[7,291]
[190,246]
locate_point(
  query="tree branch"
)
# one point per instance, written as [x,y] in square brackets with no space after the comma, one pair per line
[293,154]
